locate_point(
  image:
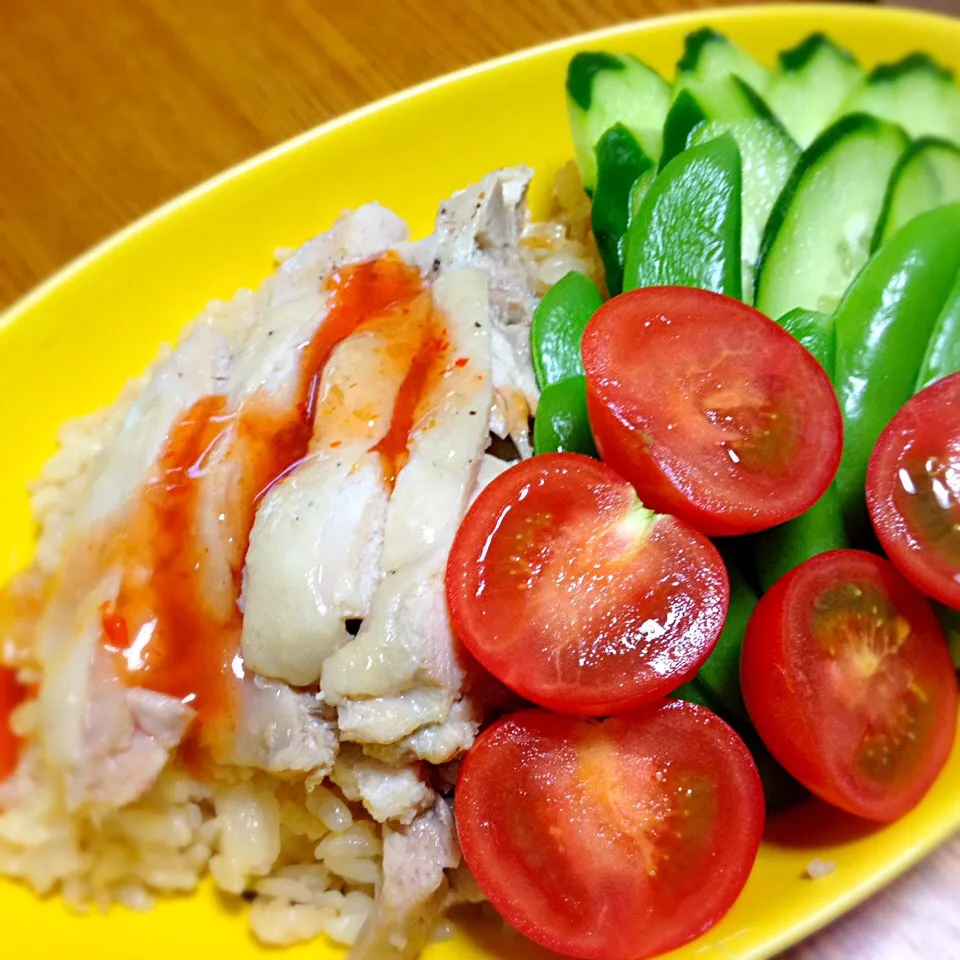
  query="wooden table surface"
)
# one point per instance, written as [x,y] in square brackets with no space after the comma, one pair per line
[109,107]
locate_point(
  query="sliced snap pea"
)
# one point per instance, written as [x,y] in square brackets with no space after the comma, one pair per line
[883,325]
[620,163]
[561,424]
[558,325]
[720,674]
[943,349]
[820,528]
[687,229]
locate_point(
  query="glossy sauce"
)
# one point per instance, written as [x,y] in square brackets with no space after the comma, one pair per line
[171,630]
[11,695]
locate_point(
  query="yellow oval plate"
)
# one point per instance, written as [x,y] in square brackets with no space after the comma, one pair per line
[69,347]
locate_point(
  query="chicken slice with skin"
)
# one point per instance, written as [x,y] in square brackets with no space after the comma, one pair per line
[314,556]
[481,227]
[405,669]
[415,886]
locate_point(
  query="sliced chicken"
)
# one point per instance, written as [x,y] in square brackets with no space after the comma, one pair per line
[404,669]
[387,791]
[481,227]
[314,556]
[414,886]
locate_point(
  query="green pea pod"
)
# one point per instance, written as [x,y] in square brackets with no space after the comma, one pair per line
[943,349]
[558,325]
[815,331]
[720,674]
[561,424]
[687,229]
[950,621]
[821,528]
[883,325]
[692,692]
[620,162]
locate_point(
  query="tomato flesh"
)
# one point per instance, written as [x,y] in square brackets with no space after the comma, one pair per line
[712,411]
[846,676]
[575,596]
[616,839]
[913,490]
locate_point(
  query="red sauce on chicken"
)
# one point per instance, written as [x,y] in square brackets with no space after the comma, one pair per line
[176,625]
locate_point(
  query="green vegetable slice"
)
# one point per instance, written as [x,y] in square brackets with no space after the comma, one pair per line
[818,235]
[883,326]
[620,163]
[687,229]
[808,85]
[561,424]
[927,176]
[558,325]
[607,88]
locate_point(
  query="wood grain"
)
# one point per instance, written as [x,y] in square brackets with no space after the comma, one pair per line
[110,107]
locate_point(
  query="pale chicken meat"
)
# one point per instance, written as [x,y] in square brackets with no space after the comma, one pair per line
[246,589]
[314,556]
[415,885]
[481,227]
[404,669]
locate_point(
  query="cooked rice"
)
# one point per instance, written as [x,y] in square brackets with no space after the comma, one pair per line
[309,858]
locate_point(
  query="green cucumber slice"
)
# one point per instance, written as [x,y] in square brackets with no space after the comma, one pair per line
[808,85]
[608,88]
[819,233]
[927,176]
[916,92]
[709,56]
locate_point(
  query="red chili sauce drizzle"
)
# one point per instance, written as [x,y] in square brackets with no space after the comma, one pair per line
[12,694]
[167,631]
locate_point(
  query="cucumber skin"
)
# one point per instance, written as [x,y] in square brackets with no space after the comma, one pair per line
[883,325]
[650,236]
[582,69]
[910,155]
[799,56]
[812,156]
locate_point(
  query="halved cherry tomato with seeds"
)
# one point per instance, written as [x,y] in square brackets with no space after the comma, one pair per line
[846,676]
[712,411]
[913,490]
[616,839]
[568,590]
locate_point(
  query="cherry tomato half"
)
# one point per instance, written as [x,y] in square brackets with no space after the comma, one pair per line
[846,676]
[569,591]
[913,490]
[611,839]
[713,412]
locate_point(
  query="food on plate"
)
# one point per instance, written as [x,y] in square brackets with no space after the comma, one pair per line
[659,812]
[883,326]
[913,490]
[293,589]
[847,679]
[821,528]
[686,230]
[224,552]
[555,584]
[712,411]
